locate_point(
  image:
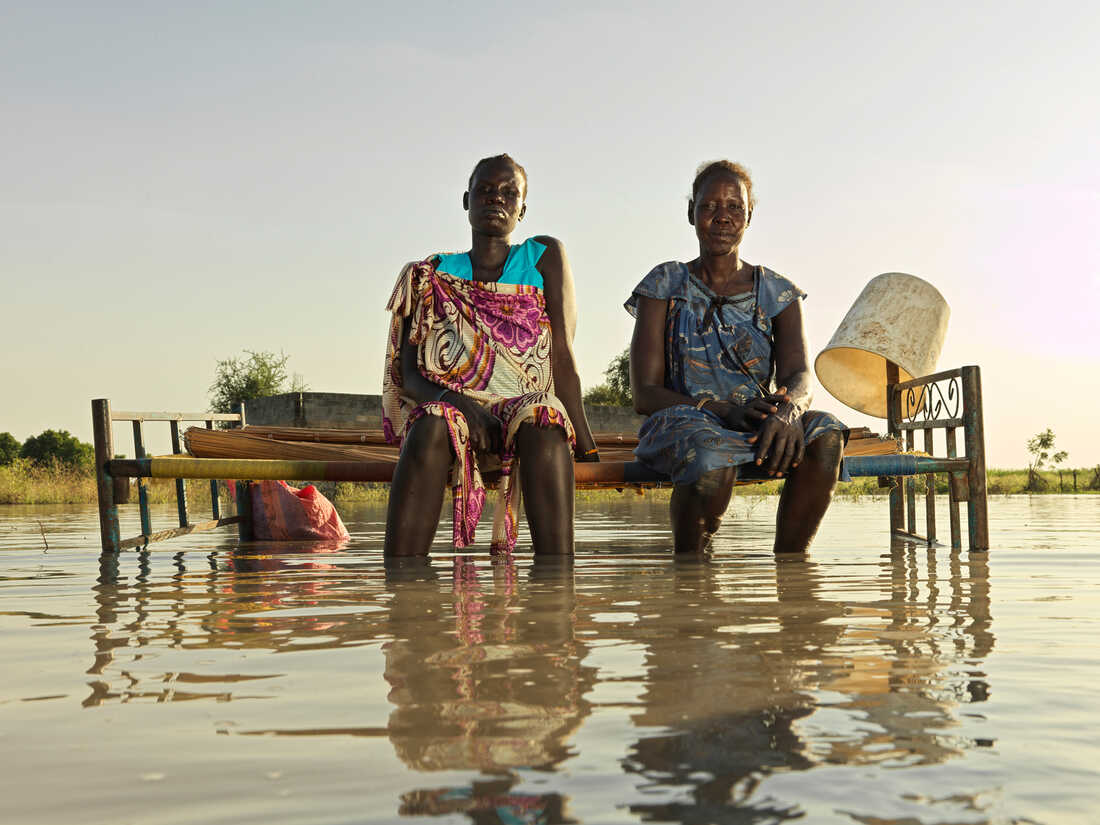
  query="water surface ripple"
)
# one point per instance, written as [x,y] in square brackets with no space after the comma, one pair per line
[216,682]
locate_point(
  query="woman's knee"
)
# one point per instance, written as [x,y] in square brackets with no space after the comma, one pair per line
[530,437]
[716,482]
[427,439]
[712,491]
[825,452]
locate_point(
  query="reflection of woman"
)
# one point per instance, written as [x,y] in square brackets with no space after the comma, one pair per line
[722,702]
[481,342]
[475,684]
[713,339]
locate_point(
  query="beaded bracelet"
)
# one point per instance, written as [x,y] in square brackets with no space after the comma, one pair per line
[699,404]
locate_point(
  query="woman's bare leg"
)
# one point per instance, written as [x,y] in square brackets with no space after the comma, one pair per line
[416,493]
[697,509]
[807,493]
[546,476]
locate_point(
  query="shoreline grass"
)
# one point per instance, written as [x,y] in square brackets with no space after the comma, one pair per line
[24,482]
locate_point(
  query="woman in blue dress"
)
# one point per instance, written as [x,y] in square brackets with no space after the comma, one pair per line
[718,362]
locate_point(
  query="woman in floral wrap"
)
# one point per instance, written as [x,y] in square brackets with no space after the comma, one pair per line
[718,362]
[480,377]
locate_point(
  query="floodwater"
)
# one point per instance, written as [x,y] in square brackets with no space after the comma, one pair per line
[213,682]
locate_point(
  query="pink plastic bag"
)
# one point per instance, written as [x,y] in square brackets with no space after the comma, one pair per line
[284,513]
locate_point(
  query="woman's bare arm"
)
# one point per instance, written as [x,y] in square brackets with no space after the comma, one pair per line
[647,359]
[781,442]
[561,308]
[792,369]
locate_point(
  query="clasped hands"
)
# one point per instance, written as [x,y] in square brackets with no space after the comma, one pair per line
[776,427]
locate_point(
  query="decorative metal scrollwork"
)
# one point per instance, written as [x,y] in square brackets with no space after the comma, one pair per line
[932,402]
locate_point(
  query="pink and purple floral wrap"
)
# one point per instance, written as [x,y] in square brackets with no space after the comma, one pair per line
[492,343]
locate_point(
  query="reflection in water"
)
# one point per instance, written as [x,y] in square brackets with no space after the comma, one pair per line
[726,681]
[485,675]
[157,614]
[733,685]
[750,666]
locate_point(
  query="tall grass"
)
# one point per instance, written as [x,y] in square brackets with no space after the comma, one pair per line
[25,482]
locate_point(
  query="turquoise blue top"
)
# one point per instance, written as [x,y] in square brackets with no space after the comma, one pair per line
[519,267]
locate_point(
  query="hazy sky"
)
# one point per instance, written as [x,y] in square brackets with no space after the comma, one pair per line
[181,181]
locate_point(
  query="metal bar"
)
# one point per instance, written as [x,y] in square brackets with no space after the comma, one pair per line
[215,504]
[953,501]
[930,379]
[244,510]
[930,493]
[131,415]
[161,535]
[240,413]
[974,439]
[903,465]
[934,422]
[104,484]
[893,418]
[181,485]
[910,491]
[143,492]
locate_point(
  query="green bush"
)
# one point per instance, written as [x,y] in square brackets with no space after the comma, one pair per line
[259,375]
[9,449]
[615,391]
[58,446]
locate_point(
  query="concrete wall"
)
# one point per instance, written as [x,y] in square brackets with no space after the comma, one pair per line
[364,412]
[317,409]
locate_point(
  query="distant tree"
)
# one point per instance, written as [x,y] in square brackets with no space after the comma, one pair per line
[1041,448]
[615,391]
[9,449]
[58,446]
[259,375]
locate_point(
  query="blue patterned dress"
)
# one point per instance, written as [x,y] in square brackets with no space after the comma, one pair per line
[717,347]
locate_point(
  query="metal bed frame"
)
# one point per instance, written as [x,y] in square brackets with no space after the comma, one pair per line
[945,401]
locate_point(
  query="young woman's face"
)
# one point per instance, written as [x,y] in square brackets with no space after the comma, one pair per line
[496,198]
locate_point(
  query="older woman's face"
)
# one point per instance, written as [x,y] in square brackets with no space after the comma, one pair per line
[495,200]
[720,213]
